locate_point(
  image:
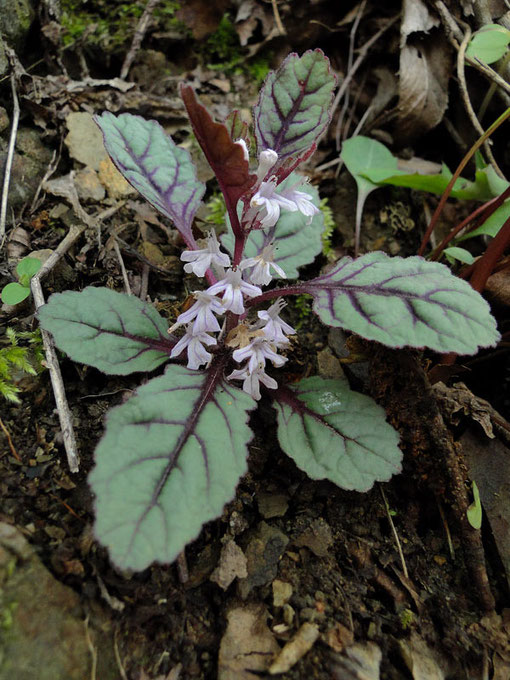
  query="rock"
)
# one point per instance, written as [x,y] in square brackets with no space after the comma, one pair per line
[295,649]
[272,504]
[29,164]
[43,634]
[4,64]
[84,140]
[263,554]
[282,592]
[247,645]
[113,181]
[88,186]
[317,538]
[232,565]
[16,17]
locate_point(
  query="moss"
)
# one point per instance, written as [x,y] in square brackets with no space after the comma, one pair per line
[115,22]
[329,228]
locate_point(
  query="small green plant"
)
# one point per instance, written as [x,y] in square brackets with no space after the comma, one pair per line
[16,292]
[216,210]
[14,358]
[489,44]
[329,227]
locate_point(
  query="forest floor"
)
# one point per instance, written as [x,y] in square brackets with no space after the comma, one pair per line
[393,583]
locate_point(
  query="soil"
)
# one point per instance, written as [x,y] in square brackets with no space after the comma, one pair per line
[395,580]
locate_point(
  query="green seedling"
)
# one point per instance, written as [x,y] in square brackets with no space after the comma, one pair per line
[16,292]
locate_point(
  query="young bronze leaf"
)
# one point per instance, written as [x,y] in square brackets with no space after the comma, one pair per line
[116,333]
[334,433]
[150,160]
[225,156]
[293,107]
[170,459]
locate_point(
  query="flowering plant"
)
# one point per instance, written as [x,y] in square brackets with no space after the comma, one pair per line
[172,454]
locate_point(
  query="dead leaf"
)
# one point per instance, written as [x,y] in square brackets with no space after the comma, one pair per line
[425,67]
[498,287]
[360,662]
[247,645]
[295,649]
[232,565]
[339,637]
[84,139]
[460,398]
[202,16]
[317,538]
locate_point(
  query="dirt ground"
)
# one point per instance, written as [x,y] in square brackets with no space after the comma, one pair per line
[392,584]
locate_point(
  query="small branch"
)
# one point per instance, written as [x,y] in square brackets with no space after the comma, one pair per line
[9,441]
[277,18]
[395,535]
[141,29]
[122,267]
[8,162]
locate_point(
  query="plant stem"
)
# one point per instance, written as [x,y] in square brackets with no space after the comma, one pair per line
[456,175]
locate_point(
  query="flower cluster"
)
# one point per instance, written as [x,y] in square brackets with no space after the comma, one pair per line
[257,343]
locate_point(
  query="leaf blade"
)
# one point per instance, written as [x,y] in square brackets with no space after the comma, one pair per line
[113,332]
[334,433]
[293,107]
[155,166]
[403,302]
[153,472]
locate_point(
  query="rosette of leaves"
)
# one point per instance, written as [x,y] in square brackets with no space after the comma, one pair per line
[172,455]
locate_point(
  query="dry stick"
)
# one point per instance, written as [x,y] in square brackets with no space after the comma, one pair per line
[454,35]
[446,529]
[361,56]
[461,55]
[493,87]
[144,286]
[395,535]
[277,18]
[122,267]
[92,650]
[141,29]
[456,175]
[9,441]
[350,59]
[64,413]
[8,162]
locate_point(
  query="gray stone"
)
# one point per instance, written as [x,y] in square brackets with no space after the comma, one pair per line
[16,17]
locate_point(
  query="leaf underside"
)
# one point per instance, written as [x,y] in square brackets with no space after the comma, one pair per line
[293,107]
[170,459]
[296,242]
[225,157]
[162,172]
[403,302]
[116,333]
[334,433]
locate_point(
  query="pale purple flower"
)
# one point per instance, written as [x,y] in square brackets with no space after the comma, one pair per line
[301,201]
[194,342]
[262,264]
[275,329]
[256,353]
[199,261]
[233,288]
[267,160]
[251,381]
[202,313]
[269,202]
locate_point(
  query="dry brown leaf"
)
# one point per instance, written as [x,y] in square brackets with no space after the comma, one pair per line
[420,659]
[202,16]
[459,398]
[425,67]
[247,645]
[498,287]
[362,661]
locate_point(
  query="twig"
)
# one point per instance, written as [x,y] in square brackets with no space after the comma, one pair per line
[92,649]
[8,162]
[446,529]
[461,55]
[182,567]
[141,29]
[395,535]
[361,56]
[277,18]
[122,267]
[9,441]
[117,657]
[144,286]
[64,414]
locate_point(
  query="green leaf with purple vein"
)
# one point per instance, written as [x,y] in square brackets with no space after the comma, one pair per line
[170,459]
[334,433]
[403,302]
[116,333]
[155,166]
[293,107]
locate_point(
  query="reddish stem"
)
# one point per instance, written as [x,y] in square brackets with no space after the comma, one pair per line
[484,267]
